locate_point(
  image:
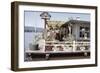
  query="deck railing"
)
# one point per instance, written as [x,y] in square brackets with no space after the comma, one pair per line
[73,46]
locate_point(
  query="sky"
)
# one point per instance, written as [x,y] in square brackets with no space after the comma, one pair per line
[33,19]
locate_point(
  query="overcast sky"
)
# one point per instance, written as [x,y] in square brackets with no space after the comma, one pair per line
[32,18]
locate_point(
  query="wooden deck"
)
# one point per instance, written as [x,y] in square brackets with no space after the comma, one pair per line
[50,55]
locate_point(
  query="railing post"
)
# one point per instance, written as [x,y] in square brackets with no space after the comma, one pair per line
[74,46]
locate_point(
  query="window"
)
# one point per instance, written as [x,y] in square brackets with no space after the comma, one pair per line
[84,32]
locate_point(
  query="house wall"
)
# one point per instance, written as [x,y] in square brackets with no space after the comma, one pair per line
[75,31]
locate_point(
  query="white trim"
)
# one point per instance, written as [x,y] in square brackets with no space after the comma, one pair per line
[23,64]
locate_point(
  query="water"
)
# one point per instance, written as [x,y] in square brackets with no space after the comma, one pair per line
[29,38]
